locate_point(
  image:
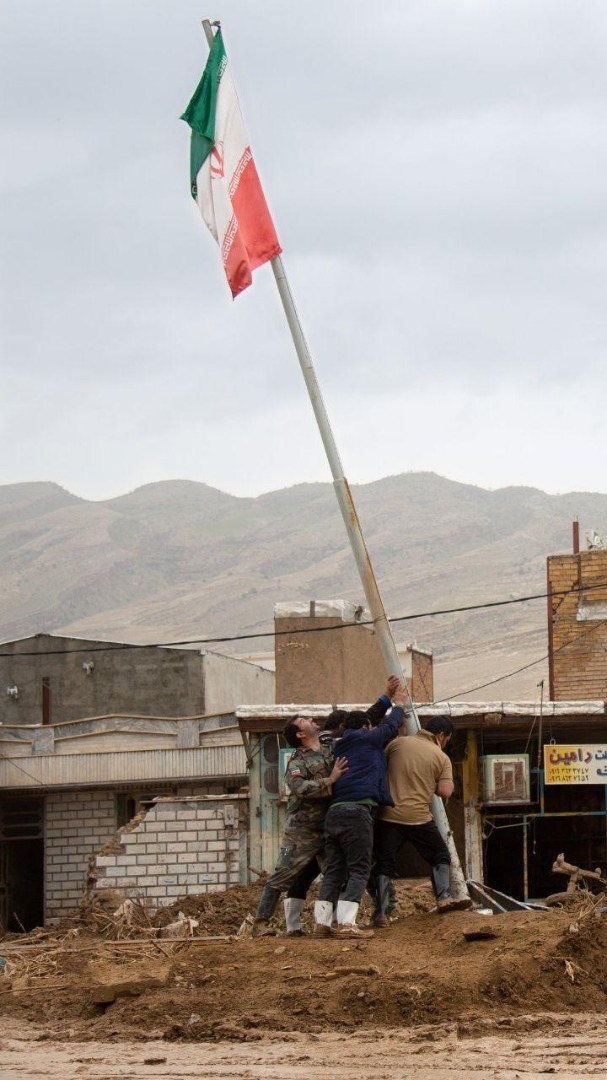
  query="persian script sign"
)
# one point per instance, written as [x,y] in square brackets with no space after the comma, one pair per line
[576,764]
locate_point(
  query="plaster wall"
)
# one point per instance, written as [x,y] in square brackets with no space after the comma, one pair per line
[230,682]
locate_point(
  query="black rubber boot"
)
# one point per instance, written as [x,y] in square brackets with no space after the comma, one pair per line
[383,897]
[441,881]
[265,909]
[441,884]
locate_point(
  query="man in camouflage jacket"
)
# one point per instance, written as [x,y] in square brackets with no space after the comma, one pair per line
[310,775]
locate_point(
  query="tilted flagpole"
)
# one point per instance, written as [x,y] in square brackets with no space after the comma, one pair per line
[354,530]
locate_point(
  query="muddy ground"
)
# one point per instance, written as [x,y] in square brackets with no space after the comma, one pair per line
[419,990]
[524,1048]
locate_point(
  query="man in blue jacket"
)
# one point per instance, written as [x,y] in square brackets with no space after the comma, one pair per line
[349,821]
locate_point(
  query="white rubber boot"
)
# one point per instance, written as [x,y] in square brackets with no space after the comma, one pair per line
[323,917]
[293,910]
[347,911]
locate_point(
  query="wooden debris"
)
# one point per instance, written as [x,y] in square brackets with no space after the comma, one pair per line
[246,928]
[340,972]
[35,989]
[182,927]
[578,876]
[569,970]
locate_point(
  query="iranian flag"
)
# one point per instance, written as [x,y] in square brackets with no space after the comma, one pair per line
[223,176]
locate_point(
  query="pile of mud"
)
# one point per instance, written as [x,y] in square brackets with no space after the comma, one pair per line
[423,969]
[223,913]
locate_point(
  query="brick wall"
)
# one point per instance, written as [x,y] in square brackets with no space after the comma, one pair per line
[75,824]
[181,846]
[578,645]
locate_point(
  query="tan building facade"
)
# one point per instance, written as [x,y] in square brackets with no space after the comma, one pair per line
[324,652]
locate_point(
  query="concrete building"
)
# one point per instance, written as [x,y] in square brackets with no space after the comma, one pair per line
[70,789]
[92,733]
[48,679]
[316,664]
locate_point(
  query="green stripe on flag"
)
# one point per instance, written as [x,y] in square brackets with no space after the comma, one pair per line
[200,113]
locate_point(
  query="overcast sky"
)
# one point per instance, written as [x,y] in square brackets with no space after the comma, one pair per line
[437,173]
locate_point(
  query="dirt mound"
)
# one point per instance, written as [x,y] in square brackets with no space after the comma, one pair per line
[422,968]
[217,913]
[223,913]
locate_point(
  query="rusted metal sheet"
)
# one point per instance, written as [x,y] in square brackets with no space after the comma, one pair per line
[86,770]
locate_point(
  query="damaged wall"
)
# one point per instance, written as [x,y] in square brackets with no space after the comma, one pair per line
[79,823]
[180,846]
[76,823]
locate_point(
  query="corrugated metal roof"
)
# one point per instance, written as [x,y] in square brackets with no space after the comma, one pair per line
[91,770]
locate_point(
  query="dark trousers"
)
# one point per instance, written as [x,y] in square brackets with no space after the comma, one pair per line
[298,890]
[390,839]
[348,852]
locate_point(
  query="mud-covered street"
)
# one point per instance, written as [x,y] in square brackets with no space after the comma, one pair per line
[435,997]
[528,1047]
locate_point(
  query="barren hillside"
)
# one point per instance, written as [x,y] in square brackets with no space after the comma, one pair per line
[178,560]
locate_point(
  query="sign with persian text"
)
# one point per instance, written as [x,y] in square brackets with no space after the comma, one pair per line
[575,764]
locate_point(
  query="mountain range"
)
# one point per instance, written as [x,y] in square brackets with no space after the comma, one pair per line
[179,560]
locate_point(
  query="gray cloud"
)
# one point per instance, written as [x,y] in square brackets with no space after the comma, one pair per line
[437,174]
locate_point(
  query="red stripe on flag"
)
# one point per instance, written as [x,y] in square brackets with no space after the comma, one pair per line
[235,259]
[255,237]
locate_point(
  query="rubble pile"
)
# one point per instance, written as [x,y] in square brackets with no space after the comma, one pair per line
[114,977]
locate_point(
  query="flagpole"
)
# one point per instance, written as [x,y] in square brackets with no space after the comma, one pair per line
[357,542]
[353,528]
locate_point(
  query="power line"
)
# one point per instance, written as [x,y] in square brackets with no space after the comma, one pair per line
[525,667]
[438,701]
[305,630]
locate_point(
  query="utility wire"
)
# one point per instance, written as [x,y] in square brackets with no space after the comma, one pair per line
[525,667]
[306,630]
[439,701]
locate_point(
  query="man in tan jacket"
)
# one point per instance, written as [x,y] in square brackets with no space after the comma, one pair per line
[418,768]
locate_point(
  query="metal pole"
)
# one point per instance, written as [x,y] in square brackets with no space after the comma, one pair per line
[354,530]
[357,542]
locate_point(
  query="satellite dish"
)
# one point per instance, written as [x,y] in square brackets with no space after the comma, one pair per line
[593,540]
